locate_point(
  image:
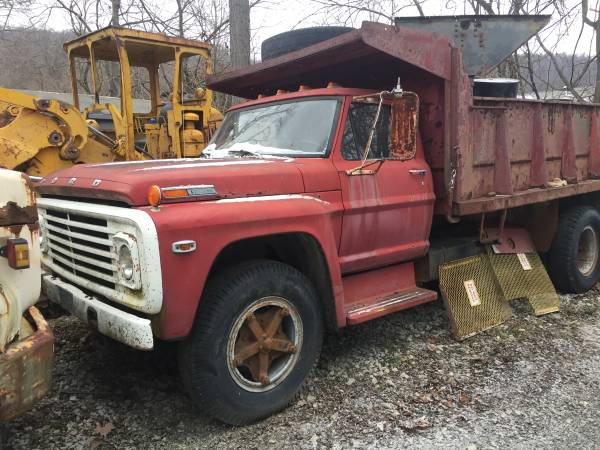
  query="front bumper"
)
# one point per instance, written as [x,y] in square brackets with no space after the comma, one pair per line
[120,325]
[26,369]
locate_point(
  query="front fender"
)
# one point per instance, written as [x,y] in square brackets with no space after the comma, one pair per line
[216,224]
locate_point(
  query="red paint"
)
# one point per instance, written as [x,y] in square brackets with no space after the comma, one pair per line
[367,288]
[380,292]
[129,182]
[568,168]
[387,215]
[539,171]
[594,147]
[216,224]
[502,179]
[403,300]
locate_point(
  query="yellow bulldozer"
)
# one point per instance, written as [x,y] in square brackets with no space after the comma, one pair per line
[145,101]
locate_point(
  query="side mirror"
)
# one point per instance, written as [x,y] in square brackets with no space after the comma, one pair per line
[403,126]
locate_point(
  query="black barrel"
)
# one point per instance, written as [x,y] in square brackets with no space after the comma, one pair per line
[495,87]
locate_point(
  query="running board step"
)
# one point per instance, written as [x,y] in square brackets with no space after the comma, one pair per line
[388,305]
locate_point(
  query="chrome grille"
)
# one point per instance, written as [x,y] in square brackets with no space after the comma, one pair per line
[81,245]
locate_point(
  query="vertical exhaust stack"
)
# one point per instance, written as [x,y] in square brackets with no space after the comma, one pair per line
[484,40]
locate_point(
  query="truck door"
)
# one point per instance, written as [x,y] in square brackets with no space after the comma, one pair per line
[388,205]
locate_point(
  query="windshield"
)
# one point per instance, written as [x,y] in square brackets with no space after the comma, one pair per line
[296,128]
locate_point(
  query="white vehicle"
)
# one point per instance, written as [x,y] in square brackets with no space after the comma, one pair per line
[26,341]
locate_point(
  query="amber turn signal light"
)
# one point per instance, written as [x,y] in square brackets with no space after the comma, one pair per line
[175,193]
[17,253]
[154,195]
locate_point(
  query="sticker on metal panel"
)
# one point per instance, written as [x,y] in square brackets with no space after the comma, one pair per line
[472,293]
[525,264]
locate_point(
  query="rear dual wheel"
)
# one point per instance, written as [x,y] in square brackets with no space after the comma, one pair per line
[574,257]
[257,336]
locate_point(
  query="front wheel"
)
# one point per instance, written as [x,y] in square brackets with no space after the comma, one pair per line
[574,257]
[256,338]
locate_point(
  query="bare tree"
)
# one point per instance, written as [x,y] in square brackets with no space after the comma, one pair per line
[239,33]
[595,24]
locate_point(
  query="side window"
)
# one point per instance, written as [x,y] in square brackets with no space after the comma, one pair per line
[358,128]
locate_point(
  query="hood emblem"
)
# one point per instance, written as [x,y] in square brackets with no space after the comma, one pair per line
[96,183]
[72,180]
[54,180]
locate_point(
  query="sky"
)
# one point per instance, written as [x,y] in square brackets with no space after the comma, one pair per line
[276,16]
[288,14]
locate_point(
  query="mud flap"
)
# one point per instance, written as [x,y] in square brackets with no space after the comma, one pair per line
[472,296]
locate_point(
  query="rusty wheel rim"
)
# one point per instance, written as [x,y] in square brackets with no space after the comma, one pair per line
[587,251]
[264,344]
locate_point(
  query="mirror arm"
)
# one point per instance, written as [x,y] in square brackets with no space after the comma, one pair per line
[360,170]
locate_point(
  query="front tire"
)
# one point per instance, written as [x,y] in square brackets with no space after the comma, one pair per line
[256,338]
[574,257]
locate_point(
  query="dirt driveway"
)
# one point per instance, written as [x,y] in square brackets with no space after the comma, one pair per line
[399,382]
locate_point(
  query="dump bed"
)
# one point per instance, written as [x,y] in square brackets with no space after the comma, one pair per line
[486,154]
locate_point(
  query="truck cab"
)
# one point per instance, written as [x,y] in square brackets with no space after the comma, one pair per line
[342,135]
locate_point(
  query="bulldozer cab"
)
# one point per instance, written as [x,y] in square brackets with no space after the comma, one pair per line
[149,99]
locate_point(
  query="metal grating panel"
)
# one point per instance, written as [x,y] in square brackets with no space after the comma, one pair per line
[472,296]
[524,276]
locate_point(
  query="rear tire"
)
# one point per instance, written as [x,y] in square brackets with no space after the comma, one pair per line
[574,257]
[217,372]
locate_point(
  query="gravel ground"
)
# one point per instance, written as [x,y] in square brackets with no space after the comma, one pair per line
[400,381]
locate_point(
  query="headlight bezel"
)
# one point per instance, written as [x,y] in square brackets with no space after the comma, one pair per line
[129,243]
[43,236]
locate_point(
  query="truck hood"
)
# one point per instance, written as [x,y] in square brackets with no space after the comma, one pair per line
[129,182]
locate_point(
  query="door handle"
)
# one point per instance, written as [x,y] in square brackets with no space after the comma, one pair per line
[420,172]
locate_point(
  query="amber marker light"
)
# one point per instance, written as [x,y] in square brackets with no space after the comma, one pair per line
[174,193]
[17,253]
[154,196]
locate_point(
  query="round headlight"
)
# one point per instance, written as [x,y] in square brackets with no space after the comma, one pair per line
[125,262]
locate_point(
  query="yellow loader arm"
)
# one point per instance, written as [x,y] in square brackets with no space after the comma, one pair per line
[33,130]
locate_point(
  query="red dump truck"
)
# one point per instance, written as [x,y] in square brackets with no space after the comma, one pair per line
[315,202]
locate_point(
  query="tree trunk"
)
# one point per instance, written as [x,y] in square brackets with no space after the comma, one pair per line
[239,33]
[239,36]
[113,72]
[116,5]
[597,87]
